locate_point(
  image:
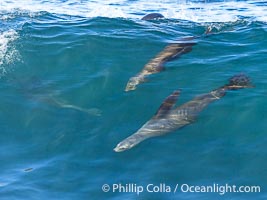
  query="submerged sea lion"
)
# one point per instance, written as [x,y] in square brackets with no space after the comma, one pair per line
[35,89]
[152,16]
[156,65]
[168,119]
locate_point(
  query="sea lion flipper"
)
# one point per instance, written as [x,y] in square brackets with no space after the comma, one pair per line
[239,81]
[167,104]
[175,50]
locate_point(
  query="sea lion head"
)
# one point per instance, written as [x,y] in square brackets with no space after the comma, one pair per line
[133,82]
[131,85]
[125,145]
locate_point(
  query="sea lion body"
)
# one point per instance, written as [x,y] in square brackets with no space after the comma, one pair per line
[156,64]
[168,119]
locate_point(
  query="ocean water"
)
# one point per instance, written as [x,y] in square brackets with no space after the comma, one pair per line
[64,66]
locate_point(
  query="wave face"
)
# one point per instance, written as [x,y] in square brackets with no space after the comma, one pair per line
[61,58]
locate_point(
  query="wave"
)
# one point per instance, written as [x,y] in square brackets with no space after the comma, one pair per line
[8,54]
[196,11]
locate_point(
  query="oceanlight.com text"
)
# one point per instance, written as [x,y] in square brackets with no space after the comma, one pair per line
[220,189]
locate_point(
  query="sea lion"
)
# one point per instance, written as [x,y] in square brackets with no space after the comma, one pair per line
[155,65]
[152,16]
[35,89]
[170,52]
[168,119]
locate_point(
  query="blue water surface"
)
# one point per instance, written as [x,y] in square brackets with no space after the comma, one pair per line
[48,151]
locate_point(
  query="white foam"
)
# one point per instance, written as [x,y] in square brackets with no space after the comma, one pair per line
[195,11]
[7,53]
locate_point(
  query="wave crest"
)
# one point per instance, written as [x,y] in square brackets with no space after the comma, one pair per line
[8,53]
[196,11]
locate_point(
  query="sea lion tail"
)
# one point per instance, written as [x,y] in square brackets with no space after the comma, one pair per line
[239,81]
[90,111]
